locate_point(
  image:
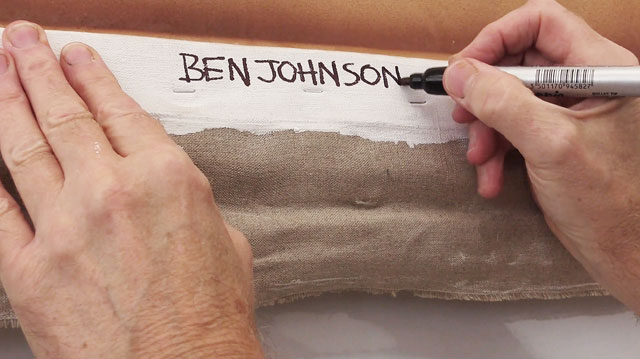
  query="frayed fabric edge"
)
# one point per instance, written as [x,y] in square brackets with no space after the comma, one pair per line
[479,297]
[9,324]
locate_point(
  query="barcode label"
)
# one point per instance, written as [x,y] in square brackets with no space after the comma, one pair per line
[565,76]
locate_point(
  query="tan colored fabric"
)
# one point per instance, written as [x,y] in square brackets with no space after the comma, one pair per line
[327,212]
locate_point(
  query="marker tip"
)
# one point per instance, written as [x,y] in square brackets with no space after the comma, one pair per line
[405,81]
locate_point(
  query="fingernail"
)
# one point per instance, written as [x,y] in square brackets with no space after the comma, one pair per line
[457,76]
[4,63]
[77,54]
[23,35]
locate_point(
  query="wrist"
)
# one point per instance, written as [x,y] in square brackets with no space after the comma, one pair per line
[194,338]
[214,345]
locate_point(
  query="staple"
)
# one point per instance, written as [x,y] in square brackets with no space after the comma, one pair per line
[184,91]
[418,102]
[313,90]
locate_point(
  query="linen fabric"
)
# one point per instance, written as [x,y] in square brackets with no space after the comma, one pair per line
[342,184]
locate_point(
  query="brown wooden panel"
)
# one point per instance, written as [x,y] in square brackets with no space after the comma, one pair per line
[397,25]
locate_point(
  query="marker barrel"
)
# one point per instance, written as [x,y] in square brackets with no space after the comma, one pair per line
[579,81]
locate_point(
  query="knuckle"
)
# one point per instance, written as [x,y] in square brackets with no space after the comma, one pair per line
[113,122]
[111,189]
[62,116]
[25,153]
[114,114]
[124,106]
[201,182]
[494,27]
[39,66]
[11,96]
[90,80]
[176,166]
[64,251]
[8,206]
[564,144]
[111,198]
[172,161]
[492,96]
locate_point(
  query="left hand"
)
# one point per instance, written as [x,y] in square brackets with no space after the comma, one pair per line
[128,256]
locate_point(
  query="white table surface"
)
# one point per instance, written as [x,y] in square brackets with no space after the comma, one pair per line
[363,326]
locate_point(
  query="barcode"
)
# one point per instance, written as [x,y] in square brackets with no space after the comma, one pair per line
[565,76]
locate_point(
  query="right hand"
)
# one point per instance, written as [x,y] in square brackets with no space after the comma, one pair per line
[583,158]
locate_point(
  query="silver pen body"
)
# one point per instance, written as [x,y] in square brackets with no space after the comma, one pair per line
[579,81]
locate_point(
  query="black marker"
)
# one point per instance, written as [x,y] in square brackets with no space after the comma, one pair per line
[551,80]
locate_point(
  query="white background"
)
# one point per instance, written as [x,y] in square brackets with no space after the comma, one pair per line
[362,326]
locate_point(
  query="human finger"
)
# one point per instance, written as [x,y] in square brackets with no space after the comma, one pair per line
[74,136]
[15,232]
[461,115]
[128,127]
[502,102]
[483,142]
[25,151]
[490,174]
[556,33]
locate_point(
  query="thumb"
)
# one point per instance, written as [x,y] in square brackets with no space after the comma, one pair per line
[502,102]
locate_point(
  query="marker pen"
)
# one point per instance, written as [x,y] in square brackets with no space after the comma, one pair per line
[559,81]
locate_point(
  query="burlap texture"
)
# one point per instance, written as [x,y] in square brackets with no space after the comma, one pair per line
[327,212]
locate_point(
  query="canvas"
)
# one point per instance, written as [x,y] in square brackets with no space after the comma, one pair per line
[341,179]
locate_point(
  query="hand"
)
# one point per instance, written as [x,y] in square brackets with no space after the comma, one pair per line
[583,160]
[128,257]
